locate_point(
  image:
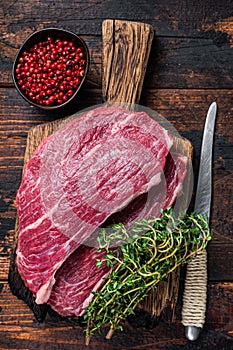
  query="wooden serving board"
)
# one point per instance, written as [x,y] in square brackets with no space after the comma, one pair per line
[126,49]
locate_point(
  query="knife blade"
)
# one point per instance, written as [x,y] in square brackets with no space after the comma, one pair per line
[195,290]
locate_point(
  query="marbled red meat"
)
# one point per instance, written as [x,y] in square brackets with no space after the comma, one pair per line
[92,167]
[76,279]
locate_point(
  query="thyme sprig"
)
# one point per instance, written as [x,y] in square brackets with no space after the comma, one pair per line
[148,252]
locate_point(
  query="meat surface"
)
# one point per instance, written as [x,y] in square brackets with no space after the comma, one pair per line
[77,278]
[160,196]
[89,169]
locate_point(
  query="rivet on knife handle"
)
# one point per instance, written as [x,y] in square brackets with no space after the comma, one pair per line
[195,292]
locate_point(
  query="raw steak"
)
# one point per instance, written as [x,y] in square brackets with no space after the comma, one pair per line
[75,281]
[79,275]
[159,197]
[92,167]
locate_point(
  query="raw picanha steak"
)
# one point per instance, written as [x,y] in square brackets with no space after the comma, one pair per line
[89,169]
[79,276]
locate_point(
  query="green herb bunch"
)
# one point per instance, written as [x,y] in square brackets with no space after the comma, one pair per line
[147,253]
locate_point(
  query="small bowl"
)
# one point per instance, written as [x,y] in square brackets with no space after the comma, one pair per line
[40,37]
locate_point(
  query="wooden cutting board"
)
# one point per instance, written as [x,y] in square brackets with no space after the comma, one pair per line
[126,49]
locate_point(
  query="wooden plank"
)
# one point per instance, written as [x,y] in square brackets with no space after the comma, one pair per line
[218,255]
[184,108]
[20,331]
[169,17]
[175,62]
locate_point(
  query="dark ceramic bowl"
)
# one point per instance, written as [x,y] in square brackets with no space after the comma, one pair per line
[41,36]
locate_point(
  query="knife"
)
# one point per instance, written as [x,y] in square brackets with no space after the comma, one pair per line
[195,290]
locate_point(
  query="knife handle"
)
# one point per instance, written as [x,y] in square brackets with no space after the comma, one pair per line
[195,295]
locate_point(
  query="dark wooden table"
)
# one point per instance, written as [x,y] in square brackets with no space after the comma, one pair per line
[191,65]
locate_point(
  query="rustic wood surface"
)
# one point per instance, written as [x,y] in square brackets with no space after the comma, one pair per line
[126,49]
[191,65]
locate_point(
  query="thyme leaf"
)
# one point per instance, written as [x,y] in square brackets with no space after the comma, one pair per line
[148,252]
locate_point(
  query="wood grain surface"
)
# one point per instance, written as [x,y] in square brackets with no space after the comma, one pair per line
[126,49]
[190,66]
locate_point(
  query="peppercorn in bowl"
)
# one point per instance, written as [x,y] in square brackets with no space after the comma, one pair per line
[50,68]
